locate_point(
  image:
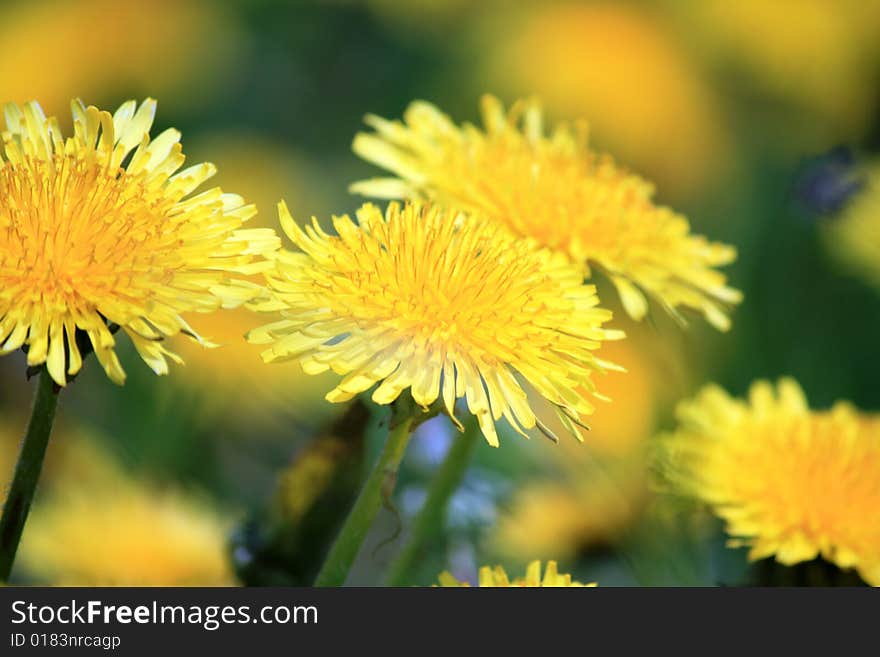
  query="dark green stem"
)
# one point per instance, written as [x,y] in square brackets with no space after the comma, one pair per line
[350,538]
[27,471]
[432,515]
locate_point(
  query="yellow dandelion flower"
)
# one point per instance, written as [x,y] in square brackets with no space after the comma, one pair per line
[788,482]
[853,238]
[100,230]
[441,303]
[555,190]
[497,577]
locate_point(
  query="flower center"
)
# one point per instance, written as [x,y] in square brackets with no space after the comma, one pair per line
[72,233]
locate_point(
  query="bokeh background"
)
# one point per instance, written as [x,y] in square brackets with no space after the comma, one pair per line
[748,115]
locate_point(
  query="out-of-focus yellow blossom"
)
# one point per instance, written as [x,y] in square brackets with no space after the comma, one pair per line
[104,528]
[818,55]
[442,303]
[556,190]
[100,230]
[618,66]
[789,483]
[853,238]
[595,508]
[497,577]
[55,50]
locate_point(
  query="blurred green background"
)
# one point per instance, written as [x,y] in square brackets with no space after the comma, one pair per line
[731,108]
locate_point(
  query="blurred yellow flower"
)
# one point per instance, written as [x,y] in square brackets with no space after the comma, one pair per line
[853,238]
[565,517]
[790,483]
[817,55]
[54,50]
[496,577]
[618,66]
[557,191]
[97,231]
[439,302]
[100,527]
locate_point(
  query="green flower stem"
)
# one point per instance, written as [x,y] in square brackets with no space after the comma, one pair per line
[347,544]
[27,471]
[432,515]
